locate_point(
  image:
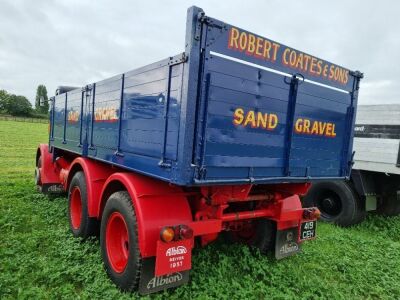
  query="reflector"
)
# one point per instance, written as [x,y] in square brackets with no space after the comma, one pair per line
[167,234]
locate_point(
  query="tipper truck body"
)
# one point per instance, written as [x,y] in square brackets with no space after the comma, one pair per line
[222,138]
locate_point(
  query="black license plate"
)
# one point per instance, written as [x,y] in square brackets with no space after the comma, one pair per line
[308,230]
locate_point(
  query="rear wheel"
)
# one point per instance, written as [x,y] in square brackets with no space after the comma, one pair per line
[337,201]
[119,242]
[81,224]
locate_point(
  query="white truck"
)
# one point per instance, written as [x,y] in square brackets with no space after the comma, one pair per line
[374,184]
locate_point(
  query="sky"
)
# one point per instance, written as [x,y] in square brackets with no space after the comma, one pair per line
[77,42]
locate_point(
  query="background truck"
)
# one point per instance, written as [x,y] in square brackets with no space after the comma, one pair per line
[221,138]
[375,179]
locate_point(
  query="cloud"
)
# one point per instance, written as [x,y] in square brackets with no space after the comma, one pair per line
[78,42]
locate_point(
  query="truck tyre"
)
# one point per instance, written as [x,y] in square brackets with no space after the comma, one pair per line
[389,204]
[261,235]
[80,223]
[119,242]
[38,179]
[337,201]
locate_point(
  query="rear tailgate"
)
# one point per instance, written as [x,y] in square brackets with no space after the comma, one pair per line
[268,112]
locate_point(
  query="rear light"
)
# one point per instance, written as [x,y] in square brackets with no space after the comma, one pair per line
[185,232]
[174,233]
[167,234]
[311,213]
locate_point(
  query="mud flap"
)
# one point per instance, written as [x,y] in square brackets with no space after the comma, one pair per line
[51,188]
[287,242]
[149,283]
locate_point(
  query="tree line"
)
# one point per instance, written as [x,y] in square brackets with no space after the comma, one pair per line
[17,105]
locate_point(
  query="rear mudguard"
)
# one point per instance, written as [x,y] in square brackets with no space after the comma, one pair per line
[156,205]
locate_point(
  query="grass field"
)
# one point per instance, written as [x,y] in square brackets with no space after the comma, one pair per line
[39,259]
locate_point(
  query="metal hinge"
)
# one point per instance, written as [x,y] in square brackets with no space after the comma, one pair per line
[201,18]
[177,60]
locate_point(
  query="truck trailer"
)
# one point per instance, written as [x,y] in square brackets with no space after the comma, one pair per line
[374,184]
[222,138]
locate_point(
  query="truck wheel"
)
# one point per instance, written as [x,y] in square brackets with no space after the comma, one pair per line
[390,202]
[259,234]
[80,223]
[38,180]
[119,242]
[337,201]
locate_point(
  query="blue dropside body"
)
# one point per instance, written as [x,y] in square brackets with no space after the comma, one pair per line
[233,108]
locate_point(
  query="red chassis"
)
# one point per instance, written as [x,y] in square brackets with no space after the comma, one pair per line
[169,217]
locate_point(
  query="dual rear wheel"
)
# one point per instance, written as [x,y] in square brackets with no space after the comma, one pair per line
[118,232]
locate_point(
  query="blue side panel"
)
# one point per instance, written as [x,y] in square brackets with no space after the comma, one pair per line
[106,108]
[132,120]
[145,125]
[59,120]
[73,123]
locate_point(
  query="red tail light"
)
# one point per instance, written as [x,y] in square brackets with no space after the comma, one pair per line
[311,213]
[174,233]
[185,232]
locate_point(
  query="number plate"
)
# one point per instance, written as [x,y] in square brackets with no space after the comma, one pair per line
[308,230]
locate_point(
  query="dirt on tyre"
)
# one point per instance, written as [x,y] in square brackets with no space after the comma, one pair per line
[337,201]
[80,223]
[119,242]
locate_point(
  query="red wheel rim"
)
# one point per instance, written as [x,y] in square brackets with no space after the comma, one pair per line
[117,242]
[76,208]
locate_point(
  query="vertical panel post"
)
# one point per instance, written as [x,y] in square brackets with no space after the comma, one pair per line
[163,162]
[65,119]
[189,95]
[347,155]
[294,84]
[121,105]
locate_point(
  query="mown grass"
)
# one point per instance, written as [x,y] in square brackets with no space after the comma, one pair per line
[39,259]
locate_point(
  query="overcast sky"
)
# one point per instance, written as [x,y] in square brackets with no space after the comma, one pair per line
[79,42]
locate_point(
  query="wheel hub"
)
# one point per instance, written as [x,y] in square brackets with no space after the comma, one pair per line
[328,203]
[117,242]
[330,206]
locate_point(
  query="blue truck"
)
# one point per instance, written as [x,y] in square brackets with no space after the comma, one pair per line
[222,138]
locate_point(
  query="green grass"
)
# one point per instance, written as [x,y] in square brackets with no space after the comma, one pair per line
[39,259]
